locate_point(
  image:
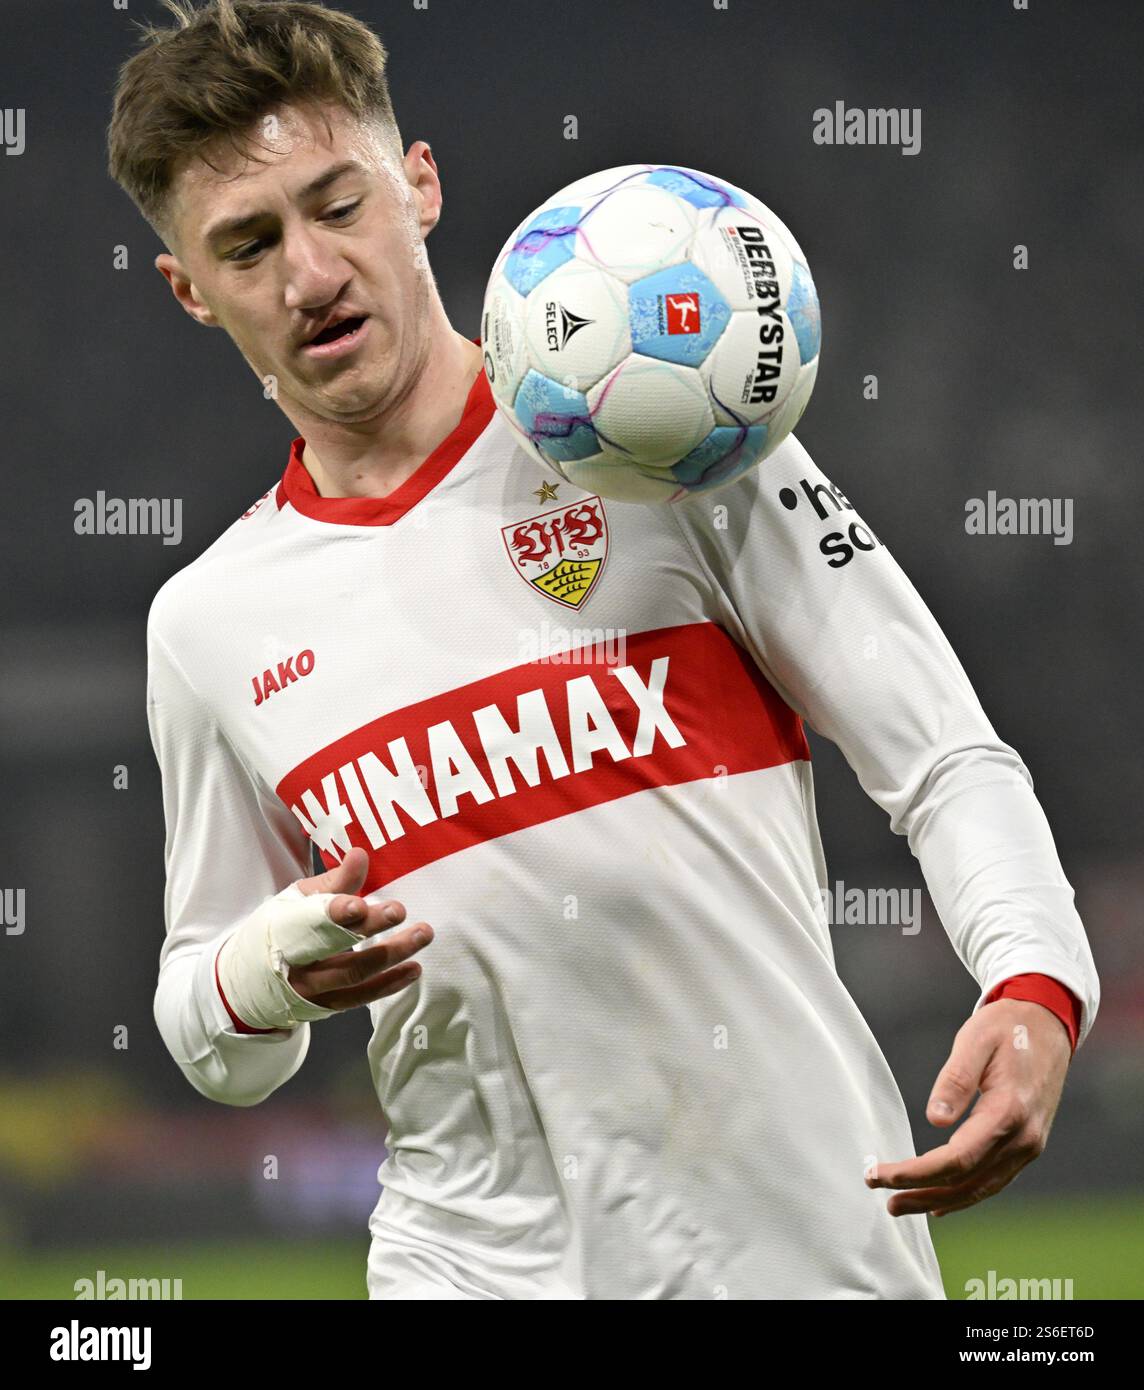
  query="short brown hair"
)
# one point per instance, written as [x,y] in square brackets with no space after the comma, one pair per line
[222,67]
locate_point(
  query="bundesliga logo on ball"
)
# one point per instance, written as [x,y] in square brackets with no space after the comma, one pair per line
[650,332]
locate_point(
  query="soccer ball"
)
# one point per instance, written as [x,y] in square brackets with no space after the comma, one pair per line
[650,332]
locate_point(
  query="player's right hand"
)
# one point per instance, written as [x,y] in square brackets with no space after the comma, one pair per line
[350,978]
[292,960]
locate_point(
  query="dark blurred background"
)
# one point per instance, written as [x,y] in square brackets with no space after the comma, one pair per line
[1024,382]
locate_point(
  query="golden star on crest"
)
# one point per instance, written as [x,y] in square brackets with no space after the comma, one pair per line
[546,492]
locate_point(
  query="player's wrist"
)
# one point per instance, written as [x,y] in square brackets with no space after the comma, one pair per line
[239,1025]
[253,964]
[1058,999]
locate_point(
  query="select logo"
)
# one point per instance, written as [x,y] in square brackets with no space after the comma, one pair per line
[560,324]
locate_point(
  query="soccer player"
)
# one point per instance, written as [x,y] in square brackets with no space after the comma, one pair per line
[620,1063]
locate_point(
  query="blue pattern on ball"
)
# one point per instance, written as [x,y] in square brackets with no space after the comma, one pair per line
[545,244]
[725,453]
[803,312]
[647,312]
[555,417]
[699,190]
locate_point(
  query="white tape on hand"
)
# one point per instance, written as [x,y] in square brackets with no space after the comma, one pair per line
[291,928]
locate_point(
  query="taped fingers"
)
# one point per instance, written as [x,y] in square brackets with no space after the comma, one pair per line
[302,929]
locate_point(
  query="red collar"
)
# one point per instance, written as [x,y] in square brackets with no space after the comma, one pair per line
[297,487]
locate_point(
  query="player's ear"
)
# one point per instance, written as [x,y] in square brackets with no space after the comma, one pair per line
[421,172]
[183,289]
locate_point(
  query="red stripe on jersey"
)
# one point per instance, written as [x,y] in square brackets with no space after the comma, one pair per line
[297,487]
[683,703]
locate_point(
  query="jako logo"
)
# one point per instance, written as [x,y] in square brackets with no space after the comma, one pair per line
[289,670]
[75,1343]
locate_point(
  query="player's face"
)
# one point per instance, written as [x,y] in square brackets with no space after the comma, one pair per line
[313,260]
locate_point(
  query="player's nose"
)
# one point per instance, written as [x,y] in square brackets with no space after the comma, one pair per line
[316,276]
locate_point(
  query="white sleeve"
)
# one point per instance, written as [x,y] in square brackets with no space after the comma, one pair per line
[229,845]
[840,632]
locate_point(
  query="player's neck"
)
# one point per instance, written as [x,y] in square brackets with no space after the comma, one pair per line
[374,458]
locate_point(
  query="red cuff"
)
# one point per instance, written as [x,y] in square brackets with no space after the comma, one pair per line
[1041,989]
[239,1026]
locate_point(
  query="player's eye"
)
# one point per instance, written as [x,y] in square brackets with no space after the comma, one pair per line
[250,249]
[246,252]
[339,214]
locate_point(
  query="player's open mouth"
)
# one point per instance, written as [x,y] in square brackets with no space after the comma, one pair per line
[337,338]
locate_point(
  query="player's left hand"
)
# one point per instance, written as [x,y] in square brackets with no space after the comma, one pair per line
[1016,1053]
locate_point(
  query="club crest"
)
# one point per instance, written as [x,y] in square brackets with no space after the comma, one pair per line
[561,552]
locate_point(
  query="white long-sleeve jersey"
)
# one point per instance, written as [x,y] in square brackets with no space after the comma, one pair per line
[629,1068]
